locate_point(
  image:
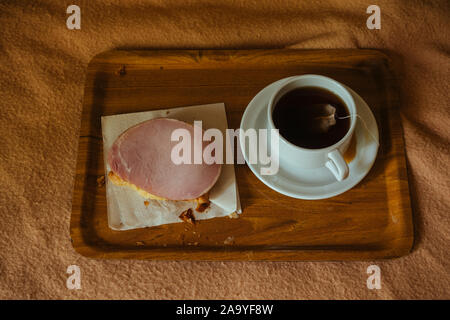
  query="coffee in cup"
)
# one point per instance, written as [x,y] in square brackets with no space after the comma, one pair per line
[316,118]
[311,117]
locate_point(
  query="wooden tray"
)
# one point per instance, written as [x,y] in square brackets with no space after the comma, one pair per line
[371,221]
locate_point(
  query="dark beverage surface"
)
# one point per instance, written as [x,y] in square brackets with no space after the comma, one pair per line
[300,109]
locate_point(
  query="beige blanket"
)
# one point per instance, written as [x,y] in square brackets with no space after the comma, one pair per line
[42,66]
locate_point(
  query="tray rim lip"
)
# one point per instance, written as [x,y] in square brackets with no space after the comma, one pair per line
[216,255]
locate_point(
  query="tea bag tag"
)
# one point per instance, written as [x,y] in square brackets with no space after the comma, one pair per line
[323,120]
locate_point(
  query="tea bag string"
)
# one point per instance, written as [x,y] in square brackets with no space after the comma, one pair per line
[364,123]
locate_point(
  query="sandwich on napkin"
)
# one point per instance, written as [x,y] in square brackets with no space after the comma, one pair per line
[141,159]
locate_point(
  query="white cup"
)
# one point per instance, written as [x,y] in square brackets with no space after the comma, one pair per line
[329,157]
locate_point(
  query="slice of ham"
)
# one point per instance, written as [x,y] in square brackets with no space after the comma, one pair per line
[142,156]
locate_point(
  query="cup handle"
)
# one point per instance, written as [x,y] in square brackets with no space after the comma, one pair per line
[337,165]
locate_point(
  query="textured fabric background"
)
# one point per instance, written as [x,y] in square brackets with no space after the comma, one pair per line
[42,66]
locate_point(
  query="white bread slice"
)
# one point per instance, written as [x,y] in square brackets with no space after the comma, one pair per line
[202,201]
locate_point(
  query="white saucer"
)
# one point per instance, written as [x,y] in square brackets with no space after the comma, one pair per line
[318,183]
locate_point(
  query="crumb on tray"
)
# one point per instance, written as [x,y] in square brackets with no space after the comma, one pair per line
[229,240]
[233,215]
[122,71]
[101,181]
[187,216]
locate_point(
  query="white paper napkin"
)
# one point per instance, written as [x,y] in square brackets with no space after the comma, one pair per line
[126,208]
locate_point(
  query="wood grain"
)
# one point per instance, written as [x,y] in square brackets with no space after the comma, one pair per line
[371,221]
